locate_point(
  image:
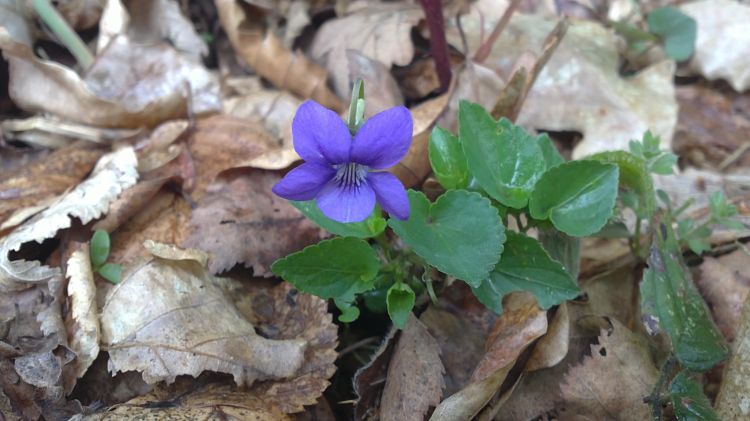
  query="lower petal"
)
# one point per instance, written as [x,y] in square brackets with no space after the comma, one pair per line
[390,193]
[304,182]
[346,203]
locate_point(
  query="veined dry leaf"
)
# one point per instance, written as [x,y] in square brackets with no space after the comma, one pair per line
[414,381]
[721,29]
[89,200]
[268,56]
[192,327]
[521,323]
[380,31]
[612,382]
[725,285]
[732,401]
[82,323]
[46,178]
[241,221]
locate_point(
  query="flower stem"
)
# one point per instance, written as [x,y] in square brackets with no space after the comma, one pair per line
[67,36]
[433,11]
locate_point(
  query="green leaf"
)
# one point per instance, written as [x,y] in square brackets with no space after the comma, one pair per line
[349,312]
[400,302]
[447,160]
[577,196]
[670,301]
[550,153]
[337,268]
[634,175]
[689,401]
[676,29]
[526,266]
[111,272]
[99,250]
[461,234]
[370,227]
[664,164]
[564,249]
[632,34]
[502,157]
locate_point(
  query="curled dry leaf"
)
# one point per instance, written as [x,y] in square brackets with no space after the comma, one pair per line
[521,323]
[613,380]
[113,173]
[721,28]
[551,348]
[44,179]
[50,132]
[380,31]
[241,221]
[189,328]
[268,56]
[82,322]
[732,401]
[414,381]
[725,285]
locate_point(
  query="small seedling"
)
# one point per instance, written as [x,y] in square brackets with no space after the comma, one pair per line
[100,246]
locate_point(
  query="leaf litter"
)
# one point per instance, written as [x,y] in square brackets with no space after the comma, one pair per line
[172,139]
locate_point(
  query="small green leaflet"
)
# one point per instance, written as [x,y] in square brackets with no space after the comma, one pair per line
[461,234]
[634,175]
[338,268]
[689,401]
[526,266]
[400,301]
[111,272]
[550,153]
[370,227]
[670,301]
[99,248]
[502,156]
[577,196]
[447,160]
[676,29]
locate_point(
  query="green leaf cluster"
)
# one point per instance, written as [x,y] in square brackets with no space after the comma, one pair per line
[98,252]
[669,26]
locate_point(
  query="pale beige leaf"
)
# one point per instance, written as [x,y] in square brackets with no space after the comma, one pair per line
[89,200]
[381,90]
[612,382]
[155,20]
[733,402]
[83,321]
[552,348]
[725,284]
[720,43]
[380,31]
[189,326]
[414,381]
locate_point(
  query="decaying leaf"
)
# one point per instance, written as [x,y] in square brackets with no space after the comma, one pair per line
[414,381]
[379,31]
[612,382]
[721,28]
[552,348]
[153,21]
[113,173]
[268,56]
[241,221]
[46,178]
[52,132]
[192,327]
[733,403]
[725,285]
[369,379]
[82,323]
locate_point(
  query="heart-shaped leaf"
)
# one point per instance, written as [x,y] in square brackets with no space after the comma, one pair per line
[370,227]
[505,160]
[400,301]
[577,196]
[526,266]
[676,29]
[461,234]
[447,160]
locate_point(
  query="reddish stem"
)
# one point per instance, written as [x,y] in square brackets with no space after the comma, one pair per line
[433,10]
[484,50]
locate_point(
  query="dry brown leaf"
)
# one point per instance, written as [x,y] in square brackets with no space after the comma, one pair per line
[381,90]
[82,322]
[153,21]
[130,202]
[473,82]
[160,147]
[721,29]
[369,379]
[46,178]
[521,323]
[50,132]
[268,56]
[192,327]
[380,31]
[241,221]
[414,381]
[732,402]
[612,382]
[80,14]
[89,200]
[551,348]
[725,284]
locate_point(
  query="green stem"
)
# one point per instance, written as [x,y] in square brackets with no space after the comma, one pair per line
[655,398]
[384,245]
[427,279]
[67,36]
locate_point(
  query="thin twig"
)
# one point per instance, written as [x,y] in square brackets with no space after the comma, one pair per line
[433,10]
[67,36]
[484,50]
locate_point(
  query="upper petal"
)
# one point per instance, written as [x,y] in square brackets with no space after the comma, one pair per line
[320,135]
[390,193]
[346,204]
[304,182]
[384,138]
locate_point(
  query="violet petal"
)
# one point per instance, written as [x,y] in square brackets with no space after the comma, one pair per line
[320,135]
[384,138]
[346,204]
[304,182]
[390,193]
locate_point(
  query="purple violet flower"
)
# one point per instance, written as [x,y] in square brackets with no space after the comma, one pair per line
[338,169]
